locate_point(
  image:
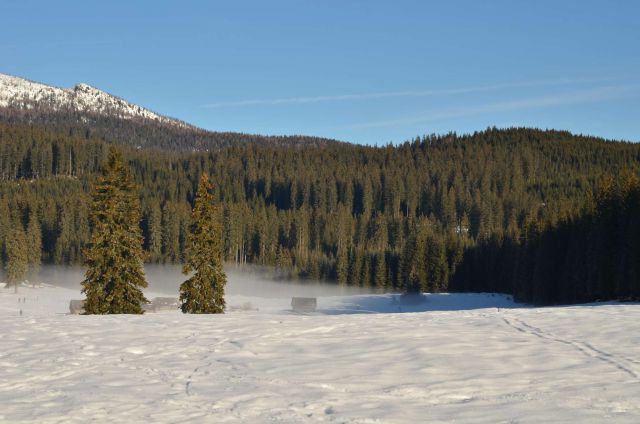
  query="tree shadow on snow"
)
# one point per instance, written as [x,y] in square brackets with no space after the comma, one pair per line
[396,303]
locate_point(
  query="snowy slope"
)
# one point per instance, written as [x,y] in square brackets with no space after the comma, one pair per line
[20,93]
[459,360]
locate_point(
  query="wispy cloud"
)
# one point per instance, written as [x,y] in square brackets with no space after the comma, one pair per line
[574,97]
[55,44]
[408,93]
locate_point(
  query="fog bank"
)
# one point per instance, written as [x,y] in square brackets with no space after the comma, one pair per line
[248,280]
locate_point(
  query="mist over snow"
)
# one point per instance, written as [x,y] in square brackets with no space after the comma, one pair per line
[259,288]
[249,280]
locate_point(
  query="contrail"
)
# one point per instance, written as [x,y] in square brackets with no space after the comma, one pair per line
[575,97]
[390,94]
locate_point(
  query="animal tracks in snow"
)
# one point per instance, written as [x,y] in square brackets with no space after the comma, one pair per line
[623,364]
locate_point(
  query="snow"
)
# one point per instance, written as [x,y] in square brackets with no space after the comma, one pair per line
[457,357]
[24,94]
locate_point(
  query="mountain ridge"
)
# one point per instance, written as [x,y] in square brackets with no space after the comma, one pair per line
[96,113]
[21,93]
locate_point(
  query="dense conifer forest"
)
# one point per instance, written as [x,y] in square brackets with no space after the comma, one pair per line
[514,210]
[143,133]
[588,256]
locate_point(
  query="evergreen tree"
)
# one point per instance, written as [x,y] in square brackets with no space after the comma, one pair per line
[412,263]
[365,271]
[153,232]
[5,225]
[203,293]
[34,237]
[17,257]
[381,272]
[343,266]
[115,276]
[170,235]
[435,264]
[62,250]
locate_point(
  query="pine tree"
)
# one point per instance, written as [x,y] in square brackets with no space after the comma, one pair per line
[170,234]
[380,272]
[5,225]
[34,237]
[153,236]
[343,266]
[436,264]
[411,263]
[203,293]
[17,257]
[62,250]
[115,276]
[365,271]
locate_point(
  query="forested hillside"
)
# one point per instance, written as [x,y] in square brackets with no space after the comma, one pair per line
[143,133]
[393,217]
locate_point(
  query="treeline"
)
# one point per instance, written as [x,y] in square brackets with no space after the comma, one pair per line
[594,255]
[392,217]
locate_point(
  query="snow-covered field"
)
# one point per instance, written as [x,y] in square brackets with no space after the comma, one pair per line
[360,359]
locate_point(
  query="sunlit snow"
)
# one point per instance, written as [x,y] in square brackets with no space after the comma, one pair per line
[24,94]
[360,358]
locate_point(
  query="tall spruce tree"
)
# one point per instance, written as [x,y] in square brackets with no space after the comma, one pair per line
[381,272]
[5,225]
[203,293]
[115,276]
[17,257]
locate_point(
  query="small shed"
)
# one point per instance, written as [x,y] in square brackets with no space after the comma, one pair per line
[165,304]
[304,304]
[76,307]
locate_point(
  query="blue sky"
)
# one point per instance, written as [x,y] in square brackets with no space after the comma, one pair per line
[364,71]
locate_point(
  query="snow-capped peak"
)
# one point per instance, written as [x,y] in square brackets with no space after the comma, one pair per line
[85,88]
[24,94]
